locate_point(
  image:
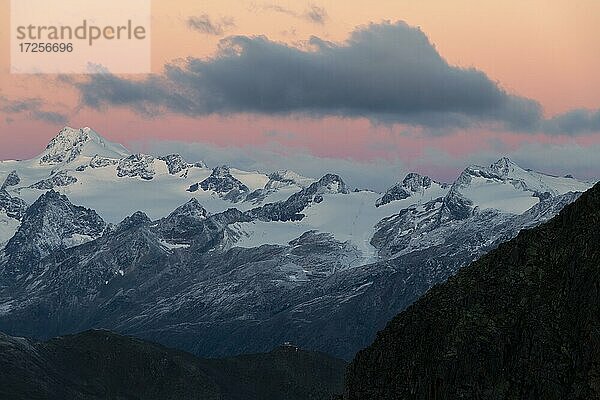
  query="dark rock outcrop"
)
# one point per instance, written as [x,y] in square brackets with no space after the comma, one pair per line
[14,207]
[175,163]
[61,178]
[224,184]
[12,179]
[141,165]
[101,162]
[412,183]
[290,209]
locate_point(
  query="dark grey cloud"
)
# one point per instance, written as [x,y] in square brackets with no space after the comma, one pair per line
[388,72]
[50,116]
[16,106]
[574,122]
[32,107]
[148,97]
[314,13]
[205,24]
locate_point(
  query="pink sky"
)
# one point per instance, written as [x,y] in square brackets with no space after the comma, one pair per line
[546,52]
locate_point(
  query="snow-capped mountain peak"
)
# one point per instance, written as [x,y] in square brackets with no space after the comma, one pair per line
[137,165]
[71,143]
[504,166]
[331,183]
[507,187]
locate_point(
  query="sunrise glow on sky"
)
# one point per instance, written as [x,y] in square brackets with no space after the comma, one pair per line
[371,89]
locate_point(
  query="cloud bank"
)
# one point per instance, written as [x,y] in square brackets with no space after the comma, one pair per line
[574,122]
[389,73]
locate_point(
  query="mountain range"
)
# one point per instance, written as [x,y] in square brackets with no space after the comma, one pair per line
[219,261]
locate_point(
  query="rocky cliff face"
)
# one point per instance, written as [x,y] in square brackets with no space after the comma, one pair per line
[411,184]
[520,323]
[137,165]
[291,209]
[222,183]
[51,223]
[12,179]
[61,178]
[13,207]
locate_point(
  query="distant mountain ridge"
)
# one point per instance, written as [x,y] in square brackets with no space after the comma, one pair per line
[103,365]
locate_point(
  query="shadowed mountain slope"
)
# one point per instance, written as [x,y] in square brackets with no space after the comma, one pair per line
[522,322]
[104,365]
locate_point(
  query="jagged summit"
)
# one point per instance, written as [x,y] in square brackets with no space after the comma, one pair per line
[184,224]
[331,183]
[137,218]
[412,184]
[504,166]
[52,222]
[70,143]
[502,169]
[192,210]
[416,182]
[222,182]
[291,209]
